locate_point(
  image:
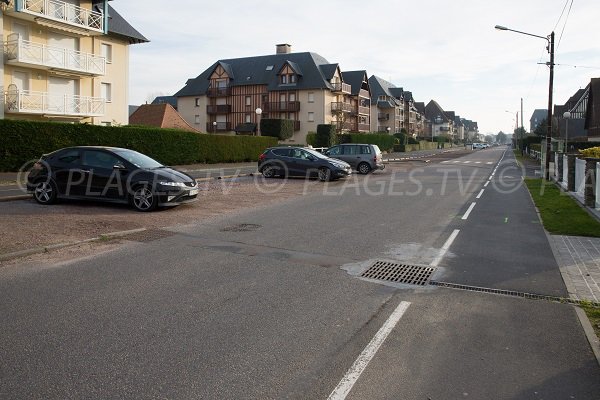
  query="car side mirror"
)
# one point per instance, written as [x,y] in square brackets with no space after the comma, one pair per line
[119,166]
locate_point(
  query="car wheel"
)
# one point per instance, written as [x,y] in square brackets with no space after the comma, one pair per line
[268,171]
[45,192]
[144,199]
[324,174]
[364,168]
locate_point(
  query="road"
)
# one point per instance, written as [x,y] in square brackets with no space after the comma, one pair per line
[270,303]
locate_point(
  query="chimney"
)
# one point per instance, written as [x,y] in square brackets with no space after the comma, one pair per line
[283,48]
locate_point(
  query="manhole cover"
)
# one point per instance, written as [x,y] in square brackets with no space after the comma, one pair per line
[149,235]
[399,273]
[241,228]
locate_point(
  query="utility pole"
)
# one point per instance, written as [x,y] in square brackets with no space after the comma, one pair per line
[549,133]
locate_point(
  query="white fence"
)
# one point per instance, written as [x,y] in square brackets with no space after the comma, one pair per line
[598,185]
[565,177]
[64,12]
[580,178]
[25,101]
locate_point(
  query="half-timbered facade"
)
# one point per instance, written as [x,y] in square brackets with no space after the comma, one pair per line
[65,60]
[233,94]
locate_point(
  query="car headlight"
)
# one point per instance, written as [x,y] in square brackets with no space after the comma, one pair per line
[172,184]
[341,166]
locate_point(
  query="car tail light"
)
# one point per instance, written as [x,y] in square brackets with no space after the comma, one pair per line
[261,157]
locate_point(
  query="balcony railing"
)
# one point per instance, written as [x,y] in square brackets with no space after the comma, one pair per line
[344,125]
[218,91]
[23,52]
[341,106]
[296,126]
[28,102]
[219,127]
[289,106]
[364,93]
[218,109]
[364,127]
[341,87]
[364,110]
[60,11]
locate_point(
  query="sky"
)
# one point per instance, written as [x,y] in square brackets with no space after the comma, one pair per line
[443,50]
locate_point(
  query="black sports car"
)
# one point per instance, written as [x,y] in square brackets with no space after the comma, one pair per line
[109,174]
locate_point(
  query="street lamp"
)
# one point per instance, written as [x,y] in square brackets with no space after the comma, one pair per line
[214,126]
[566,116]
[517,133]
[258,111]
[550,48]
[388,129]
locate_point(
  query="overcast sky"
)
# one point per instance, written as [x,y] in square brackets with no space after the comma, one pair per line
[444,50]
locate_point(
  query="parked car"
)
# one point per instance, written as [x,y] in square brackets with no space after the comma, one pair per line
[109,174]
[363,158]
[297,161]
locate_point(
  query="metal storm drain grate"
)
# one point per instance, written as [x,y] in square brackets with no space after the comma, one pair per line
[241,228]
[149,235]
[399,273]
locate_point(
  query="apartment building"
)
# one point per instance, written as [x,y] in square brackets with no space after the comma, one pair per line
[65,60]
[233,95]
[387,105]
[359,118]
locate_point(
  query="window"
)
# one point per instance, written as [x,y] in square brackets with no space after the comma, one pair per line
[197,101]
[106,92]
[99,159]
[349,150]
[382,98]
[69,157]
[284,79]
[197,119]
[292,79]
[365,149]
[311,117]
[311,97]
[106,52]
[334,151]
[248,117]
[248,100]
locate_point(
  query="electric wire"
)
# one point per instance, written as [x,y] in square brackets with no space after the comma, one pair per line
[565,24]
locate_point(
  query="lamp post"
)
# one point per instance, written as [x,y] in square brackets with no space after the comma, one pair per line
[214,126]
[388,129]
[258,112]
[550,48]
[516,128]
[566,116]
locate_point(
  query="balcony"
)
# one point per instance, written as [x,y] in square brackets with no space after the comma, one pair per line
[296,126]
[364,110]
[219,92]
[218,109]
[220,127]
[364,127]
[364,94]
[28,102]
[347,126]
[278,106]
[61,15]
[341,87]
[339,106]
[34,55]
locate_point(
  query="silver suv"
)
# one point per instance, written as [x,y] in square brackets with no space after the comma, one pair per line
[364,158]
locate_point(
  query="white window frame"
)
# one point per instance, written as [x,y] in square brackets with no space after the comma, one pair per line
[106,50]
[197,119]
[106,91]
[197,101]
[311,116]
[311,97]
[248,100]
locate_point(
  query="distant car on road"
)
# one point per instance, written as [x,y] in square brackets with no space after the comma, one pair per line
[109,174]
[297,161]
[480,146]
[363,158]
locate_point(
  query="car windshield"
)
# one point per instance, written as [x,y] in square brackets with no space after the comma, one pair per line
[138,159]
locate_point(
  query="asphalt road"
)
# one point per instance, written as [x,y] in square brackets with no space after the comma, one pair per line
[269,304]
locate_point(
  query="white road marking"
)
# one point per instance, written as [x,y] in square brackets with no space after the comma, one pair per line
[477,162]
[469,211]
[467,162]
[347,383]
[445,248]
[489,162]
[480,193]
[487,183]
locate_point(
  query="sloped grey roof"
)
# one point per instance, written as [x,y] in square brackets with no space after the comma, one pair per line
[172,100]
[397,92]
[263,70]
[408,96]
[117,25]
[355,79]
[420,106]
[433,110]
[539,115]
[381,87]
[329,70]
[295,67]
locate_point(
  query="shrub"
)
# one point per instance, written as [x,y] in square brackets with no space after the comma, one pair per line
[311,138]
[282,129]
[592,152]
[385,142]
[325,136]
[22,141]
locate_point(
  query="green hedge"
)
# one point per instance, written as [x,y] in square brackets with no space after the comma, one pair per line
[281,129]
[384,142]
[22,141]
[325,136]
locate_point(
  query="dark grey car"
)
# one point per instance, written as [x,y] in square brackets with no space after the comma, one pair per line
[296,161]
[364,158]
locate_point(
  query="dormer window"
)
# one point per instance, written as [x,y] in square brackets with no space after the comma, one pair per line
[382,98]
[285,79]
